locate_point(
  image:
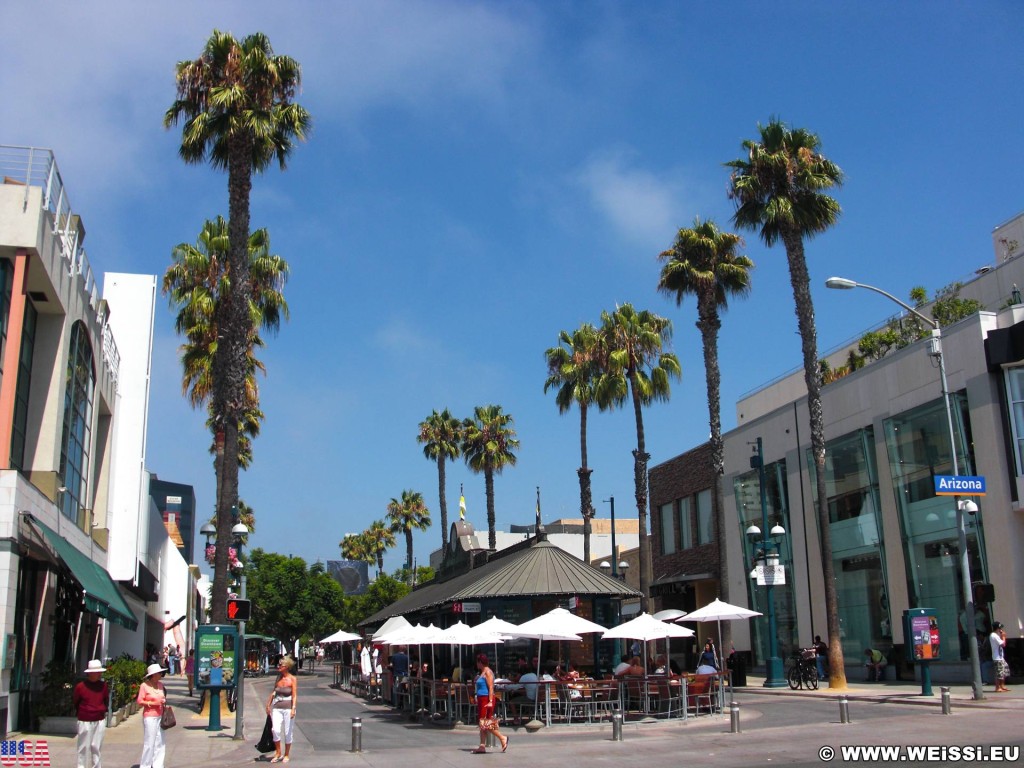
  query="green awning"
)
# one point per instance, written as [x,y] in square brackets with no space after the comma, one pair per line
[102,596]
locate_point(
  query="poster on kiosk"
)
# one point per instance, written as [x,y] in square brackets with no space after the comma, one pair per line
[921,630]
[216,656]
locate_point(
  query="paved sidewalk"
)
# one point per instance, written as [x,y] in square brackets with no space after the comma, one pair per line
[190,744]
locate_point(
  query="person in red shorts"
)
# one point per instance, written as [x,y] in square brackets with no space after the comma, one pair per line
[90,700]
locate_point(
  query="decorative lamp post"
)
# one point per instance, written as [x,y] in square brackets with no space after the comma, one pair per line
[935,350]
[239,530]
[767,552]
[615,552]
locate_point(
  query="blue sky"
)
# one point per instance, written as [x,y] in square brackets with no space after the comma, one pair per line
[483,175]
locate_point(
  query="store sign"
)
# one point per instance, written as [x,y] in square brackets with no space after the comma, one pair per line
[466,608]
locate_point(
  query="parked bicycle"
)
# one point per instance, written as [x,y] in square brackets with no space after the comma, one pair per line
[803,671]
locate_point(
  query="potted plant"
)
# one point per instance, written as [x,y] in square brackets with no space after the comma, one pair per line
[53,704]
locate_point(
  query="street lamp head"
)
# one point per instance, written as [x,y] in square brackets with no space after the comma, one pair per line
[840,283]
[208,531]
[753,531]
[777,530]
[623,566]
[239,529]
[605,566]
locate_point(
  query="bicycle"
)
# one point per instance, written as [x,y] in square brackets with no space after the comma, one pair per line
[803,673]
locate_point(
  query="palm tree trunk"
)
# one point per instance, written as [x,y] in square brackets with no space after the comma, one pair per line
[586,505]
[812,376]
[709,325]
[640,457]
[444,502]
[408,554]
[236,335]
[492,538]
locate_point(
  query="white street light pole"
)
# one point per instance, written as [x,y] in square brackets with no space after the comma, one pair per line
[935,350]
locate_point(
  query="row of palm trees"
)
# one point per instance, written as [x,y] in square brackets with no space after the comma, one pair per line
[779,189]
[404,516]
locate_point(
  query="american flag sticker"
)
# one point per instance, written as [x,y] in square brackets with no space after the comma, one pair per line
[24,753]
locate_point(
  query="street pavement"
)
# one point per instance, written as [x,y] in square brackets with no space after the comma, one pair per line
[778,726]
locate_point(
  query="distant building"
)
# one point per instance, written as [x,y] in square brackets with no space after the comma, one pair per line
[176,503]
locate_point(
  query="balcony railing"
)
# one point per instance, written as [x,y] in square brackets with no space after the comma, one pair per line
[37,167]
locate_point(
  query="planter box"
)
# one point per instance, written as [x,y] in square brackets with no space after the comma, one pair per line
[66,726]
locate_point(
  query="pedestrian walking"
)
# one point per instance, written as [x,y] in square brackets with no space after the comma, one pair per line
[997,640]
[190,669]
[485,705]
[90,698]
[152,696]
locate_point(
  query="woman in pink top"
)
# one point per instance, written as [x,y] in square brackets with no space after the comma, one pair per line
[151,698]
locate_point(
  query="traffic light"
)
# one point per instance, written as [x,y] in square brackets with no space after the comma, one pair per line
[239,610]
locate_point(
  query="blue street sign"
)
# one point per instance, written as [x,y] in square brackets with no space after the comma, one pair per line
[959,485]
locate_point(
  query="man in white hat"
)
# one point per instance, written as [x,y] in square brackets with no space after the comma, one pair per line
[90,698]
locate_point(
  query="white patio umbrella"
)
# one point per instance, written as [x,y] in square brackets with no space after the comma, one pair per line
[395,622]
[719,611]
[644,628]
[502,627]
[341,636]
[669,614]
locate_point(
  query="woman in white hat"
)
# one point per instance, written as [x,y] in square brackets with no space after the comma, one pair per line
[151,698]
[90,698]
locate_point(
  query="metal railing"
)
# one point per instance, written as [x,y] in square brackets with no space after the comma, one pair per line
[37,167]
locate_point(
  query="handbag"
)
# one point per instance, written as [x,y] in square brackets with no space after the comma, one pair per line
[488,723]
[167,718]
[266,743]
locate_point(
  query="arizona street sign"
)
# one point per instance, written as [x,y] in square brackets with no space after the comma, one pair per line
[959,485]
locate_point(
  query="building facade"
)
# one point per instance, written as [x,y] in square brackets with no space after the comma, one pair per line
[894,541]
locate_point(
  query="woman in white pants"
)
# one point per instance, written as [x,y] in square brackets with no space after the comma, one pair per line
[281,708]
[151,698]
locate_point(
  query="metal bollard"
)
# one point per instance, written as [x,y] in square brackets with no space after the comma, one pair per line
[357,734]
[616,726]
[491,740]
[734,717]
[946,708]
[844,709]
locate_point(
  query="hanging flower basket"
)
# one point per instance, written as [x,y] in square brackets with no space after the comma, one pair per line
[234,564]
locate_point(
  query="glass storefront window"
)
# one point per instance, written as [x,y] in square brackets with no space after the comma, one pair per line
[917,443]
[851,482]
[748,505]
[668,528]
[705,518]
[1015,396]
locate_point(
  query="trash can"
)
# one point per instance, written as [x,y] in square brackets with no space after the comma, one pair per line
[738,666]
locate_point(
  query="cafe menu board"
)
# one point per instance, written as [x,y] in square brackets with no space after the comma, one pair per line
[215,656]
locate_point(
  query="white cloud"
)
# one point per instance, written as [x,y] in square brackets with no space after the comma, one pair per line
[640,205]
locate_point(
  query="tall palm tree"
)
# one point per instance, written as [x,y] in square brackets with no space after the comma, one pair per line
[441,435]
[408,515]
[573,369]
[779,190]
[638,366]
[703,262]
[488,445]
[379,538]
[236,102]
[196,282]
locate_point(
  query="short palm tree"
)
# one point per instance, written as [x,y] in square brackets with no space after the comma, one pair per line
[441,436]
[196,282]
[356,547]
[703,262]
[236,103]
[488,445]
[639,367]
[573,370]
[379,538]
[779,188]
[408,515]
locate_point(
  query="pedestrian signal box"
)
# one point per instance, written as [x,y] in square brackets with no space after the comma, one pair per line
[238,610]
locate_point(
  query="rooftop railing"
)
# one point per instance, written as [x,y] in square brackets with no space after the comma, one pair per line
[37,167]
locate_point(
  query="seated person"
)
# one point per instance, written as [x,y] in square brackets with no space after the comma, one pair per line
[456,674]
[622,667]
[875,662]
[707,664]
[663,667]
[635,668]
